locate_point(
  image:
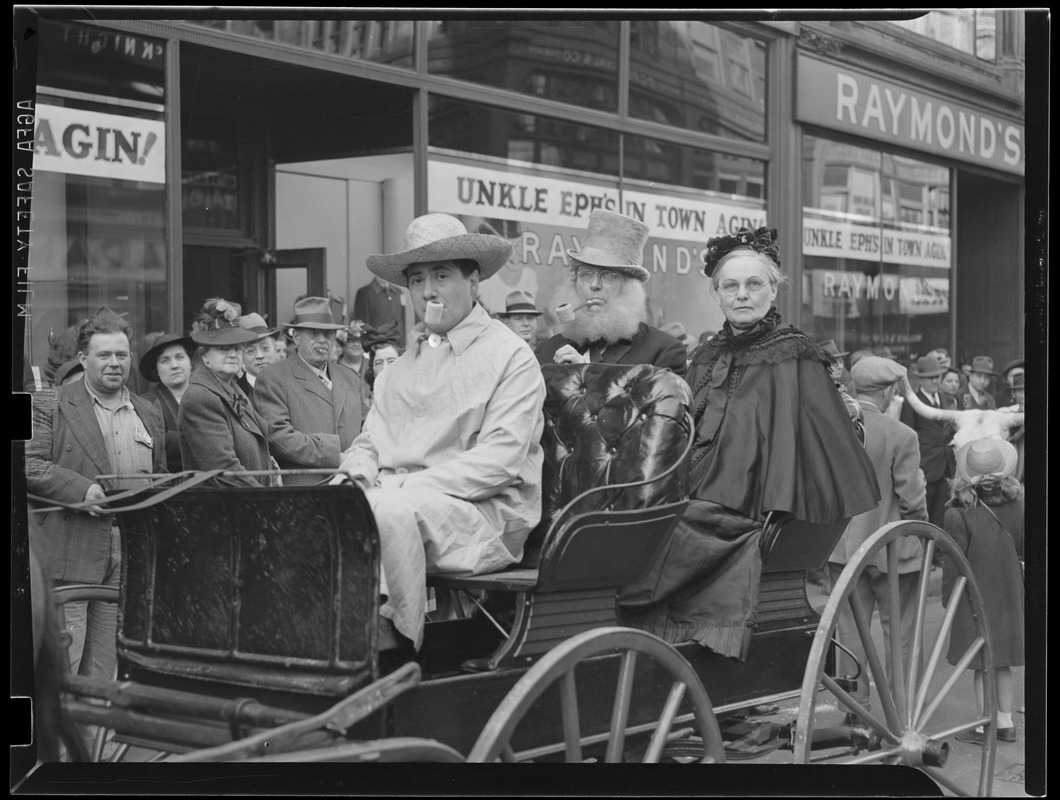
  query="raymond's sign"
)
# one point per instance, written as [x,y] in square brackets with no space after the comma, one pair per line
[100,145]
[858,103]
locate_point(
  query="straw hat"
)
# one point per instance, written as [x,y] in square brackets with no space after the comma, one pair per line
[519,303]
[441,237]
[614,241]
[314,313]
[986,458]
[149,361]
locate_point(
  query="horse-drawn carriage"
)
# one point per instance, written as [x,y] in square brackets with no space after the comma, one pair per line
[248,624]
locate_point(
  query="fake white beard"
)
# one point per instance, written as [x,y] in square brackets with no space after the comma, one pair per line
[619,319]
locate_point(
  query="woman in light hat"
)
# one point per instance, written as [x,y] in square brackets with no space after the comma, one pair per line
[985,519]
[219,428]
[167,367]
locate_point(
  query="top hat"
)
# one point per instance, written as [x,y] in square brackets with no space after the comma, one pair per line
[315,313]
[983,365]
[986,458]
[519,303]
[927,367]
[614,241]
[829,346]
[255,323]
[149,360]
[441,237]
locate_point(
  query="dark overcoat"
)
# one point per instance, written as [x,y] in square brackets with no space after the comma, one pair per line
[648,346]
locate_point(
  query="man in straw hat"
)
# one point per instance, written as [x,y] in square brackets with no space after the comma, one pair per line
[936,455]
[521,316]
[450,456]
[610,310]
[895,454]
[95,426]
[977,394]
[313,410]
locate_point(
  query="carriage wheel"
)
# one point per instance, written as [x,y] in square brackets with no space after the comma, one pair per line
[84,742]
[906,733]
[559,664]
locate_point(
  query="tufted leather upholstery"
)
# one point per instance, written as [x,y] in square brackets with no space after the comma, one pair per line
[610,424]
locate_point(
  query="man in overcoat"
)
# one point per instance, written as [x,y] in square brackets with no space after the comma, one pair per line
[82,430]
[895,453]
[977,394]
[606,293]
[937,458]
[313,411]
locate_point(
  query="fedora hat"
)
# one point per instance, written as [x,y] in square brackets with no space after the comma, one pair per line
[677,330]
[519,303]
[441,237]
[1016,364]
[927,367]
[986,458]
[149,361]
[983,365]
[830,347]
[255,323]
[1018,380]
[315,313]
[614,241]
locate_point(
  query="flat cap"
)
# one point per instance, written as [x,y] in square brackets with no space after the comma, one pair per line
[872,373]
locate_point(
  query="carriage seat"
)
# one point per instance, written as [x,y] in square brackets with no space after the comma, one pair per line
[614,484]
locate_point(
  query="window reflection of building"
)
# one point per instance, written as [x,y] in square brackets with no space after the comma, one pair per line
[970,30]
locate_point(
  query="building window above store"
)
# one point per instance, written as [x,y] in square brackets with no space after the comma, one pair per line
[700,77]
[970,30]
[569,61]
[381,41]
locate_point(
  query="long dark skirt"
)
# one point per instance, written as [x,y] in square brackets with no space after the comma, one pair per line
[704,587]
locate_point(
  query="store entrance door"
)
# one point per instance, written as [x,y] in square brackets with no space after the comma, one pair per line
[291,275]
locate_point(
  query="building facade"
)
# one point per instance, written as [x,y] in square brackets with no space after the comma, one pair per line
[264,159]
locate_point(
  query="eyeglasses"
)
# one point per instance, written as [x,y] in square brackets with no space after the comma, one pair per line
[606,276]
[753,286]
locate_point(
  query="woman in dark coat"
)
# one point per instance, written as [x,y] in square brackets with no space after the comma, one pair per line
[772,435]
[984,517]
[219,428]
[167,366]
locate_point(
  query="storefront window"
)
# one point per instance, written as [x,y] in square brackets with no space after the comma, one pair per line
[531,138]
[381,41]
[971,30]
[877,249]
[650,159]
[698,76]
[99,203]
[569,61]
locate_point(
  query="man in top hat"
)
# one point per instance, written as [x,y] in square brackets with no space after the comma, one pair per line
[895,453]
[257,354]
[92,427]
[977,395]
[936,455]
[606,293]
[521,315]
[450,456]
[312,409]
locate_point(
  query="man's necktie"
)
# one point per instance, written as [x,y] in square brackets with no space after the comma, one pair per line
[326,381]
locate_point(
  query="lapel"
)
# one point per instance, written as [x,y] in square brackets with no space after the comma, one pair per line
[927,400]
[613,353]
[76,405]
[313,384]
[248,420]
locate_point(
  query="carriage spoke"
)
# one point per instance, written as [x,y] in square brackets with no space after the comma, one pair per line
[858,709]
[620,713]
[666,722]
[571,729]
[912,682]
[870,758]
[875,667]
[951,681]
[940,642]
[897,644]
[508,755]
